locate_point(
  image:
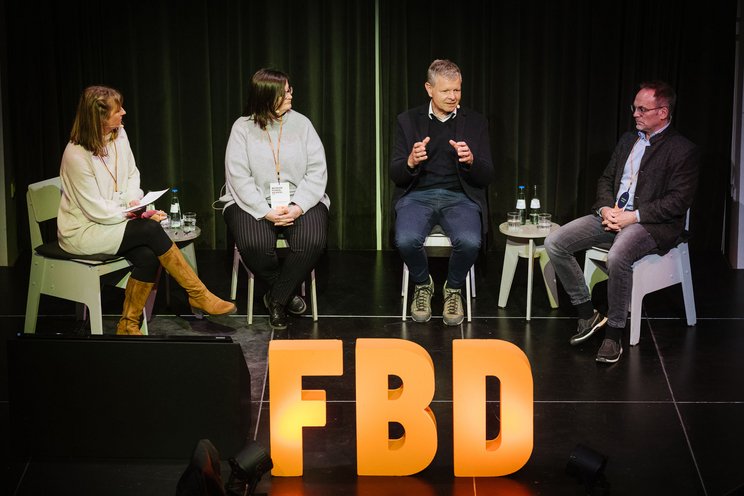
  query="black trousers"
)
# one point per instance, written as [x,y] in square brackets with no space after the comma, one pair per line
[256,241]
[144,241]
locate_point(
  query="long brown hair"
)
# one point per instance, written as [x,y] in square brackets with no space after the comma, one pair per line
[96,104]
[265,94]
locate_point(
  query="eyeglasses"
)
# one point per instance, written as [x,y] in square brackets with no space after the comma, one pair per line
[643,110]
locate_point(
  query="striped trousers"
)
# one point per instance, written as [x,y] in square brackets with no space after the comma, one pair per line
[256,241]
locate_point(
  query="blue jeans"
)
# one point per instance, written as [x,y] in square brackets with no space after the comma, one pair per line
[418,212]
[628,245]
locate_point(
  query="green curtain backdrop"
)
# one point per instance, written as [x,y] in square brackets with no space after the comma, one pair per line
[554,79]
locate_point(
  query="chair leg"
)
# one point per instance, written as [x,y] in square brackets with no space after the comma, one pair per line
[313,296]
[34,295]
[251,286]
[404,293]
[687,291]
[150,304]
[468,295]
[96,316]
[143,327]
[636,308]
[234,280]
[593,272]
[472,281]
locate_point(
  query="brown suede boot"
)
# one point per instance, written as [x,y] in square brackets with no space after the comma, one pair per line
[199,296]
[135,297]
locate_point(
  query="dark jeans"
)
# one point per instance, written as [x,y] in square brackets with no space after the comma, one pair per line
[418,212]
[628,245]
[256,241]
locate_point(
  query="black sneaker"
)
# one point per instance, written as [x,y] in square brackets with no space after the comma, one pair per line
[296,305]
[277,315]
[587,327]
[610,351]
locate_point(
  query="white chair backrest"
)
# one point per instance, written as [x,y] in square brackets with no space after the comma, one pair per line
[42,200]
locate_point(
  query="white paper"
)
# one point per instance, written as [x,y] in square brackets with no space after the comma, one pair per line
[150,197]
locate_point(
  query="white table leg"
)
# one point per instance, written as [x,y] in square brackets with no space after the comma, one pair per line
[511,259]
[549,277]
[530,262]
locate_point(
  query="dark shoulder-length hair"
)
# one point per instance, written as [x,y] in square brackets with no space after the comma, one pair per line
[265,94]
[96,104]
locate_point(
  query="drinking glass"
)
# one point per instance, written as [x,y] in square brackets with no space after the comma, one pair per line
[513,221]
[189,222]
[544,221]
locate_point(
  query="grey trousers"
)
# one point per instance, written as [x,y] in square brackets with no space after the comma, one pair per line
[628,245]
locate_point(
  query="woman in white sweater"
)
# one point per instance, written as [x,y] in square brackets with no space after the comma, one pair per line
[99,180]
[276,174]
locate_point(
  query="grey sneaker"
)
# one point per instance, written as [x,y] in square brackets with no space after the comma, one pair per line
[453,313]
[610,351]
[587,327]
[421,306]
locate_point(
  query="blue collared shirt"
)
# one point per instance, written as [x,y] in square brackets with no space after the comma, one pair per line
[628,182]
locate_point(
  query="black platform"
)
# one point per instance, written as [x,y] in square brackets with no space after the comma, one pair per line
[667,416]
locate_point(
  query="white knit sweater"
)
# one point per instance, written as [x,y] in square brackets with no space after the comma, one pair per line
[249,164]
[90,218]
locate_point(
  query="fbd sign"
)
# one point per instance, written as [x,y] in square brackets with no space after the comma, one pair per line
[473,360]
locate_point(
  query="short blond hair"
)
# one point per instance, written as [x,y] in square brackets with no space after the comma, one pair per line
[444,68]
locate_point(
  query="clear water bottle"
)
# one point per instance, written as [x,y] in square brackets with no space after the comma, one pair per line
[534,205]
[522,205]
[175,210]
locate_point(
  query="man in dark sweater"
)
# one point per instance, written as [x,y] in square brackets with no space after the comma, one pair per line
[441,165]
[642,200]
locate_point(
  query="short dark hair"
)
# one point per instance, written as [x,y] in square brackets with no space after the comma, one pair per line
[663,93]
[265,94]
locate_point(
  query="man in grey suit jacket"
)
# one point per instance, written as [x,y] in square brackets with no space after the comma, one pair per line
[441,165]
[642,199]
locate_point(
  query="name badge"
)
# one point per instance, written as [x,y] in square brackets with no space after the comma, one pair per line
[279,194]
[622,202]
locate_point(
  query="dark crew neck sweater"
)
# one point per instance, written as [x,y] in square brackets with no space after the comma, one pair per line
[440,170]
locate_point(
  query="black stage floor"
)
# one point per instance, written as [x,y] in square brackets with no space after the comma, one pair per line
[668,416]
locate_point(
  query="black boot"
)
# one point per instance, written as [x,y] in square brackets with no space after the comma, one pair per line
[277,314]
[296,305]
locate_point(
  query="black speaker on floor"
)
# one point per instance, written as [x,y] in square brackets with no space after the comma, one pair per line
[127,397]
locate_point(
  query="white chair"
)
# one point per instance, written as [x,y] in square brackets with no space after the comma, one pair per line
[281,243]
[438,244]
[651,273]
[60,274]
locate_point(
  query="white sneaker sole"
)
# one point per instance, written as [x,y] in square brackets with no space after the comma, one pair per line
[420,320]
[597,326]
[610,360]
